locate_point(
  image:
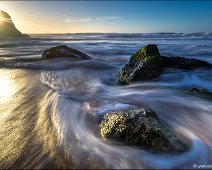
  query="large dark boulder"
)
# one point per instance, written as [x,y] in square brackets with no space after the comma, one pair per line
[184,63]
[140,127]
[7,28]
[145,64]
[64,51]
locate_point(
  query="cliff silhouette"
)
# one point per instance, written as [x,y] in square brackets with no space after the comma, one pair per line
[7,27]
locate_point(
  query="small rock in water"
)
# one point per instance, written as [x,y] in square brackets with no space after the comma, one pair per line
[64,51]
[145,64]
[140,127]
[204,93]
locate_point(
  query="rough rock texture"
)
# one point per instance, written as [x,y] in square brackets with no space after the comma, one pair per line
[184,63]
[64,51]
[145,64]
[140,127]
[204,93]
[7,28]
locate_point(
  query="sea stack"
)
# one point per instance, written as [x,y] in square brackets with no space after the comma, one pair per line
[7,27]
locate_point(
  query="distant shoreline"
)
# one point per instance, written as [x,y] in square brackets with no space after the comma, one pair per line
[186,33]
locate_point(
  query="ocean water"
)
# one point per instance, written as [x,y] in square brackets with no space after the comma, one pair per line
[48,108]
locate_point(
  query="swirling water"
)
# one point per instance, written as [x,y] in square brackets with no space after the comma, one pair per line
[48,109]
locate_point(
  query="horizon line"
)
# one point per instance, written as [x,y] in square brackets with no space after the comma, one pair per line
[122,33]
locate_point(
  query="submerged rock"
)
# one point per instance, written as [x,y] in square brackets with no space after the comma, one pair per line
[7,27]
[204,93]
[145,64]
[184,63]
[140,127]
[64,51]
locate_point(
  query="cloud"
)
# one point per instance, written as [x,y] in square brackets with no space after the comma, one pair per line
[107,18]
[83,20]
[78,20]
[90,19]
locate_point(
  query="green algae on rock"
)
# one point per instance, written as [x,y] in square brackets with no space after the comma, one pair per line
[63,51]
[140,127]
[145,64]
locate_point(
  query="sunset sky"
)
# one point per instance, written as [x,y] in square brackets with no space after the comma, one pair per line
[110,16]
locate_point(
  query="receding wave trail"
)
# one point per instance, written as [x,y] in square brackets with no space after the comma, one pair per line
[189,120]
[50,110]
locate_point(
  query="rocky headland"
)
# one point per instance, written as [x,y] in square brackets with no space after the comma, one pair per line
[7,27]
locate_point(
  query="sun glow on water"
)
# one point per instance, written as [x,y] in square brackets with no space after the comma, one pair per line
[6,87]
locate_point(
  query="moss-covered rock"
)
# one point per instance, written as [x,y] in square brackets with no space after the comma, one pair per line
[64,51]
[203,93]
[140,127]
[145,64]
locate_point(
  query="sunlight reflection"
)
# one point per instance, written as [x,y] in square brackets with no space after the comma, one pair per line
[4,17]
[6,86]
[1,18]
